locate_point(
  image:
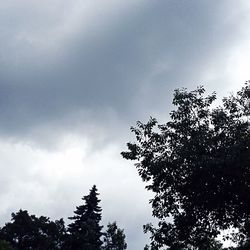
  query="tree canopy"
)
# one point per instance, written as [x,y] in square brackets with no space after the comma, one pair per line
[198,166]
[30,232]
[114,238]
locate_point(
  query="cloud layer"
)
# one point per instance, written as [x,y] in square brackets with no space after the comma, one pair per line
[94,58]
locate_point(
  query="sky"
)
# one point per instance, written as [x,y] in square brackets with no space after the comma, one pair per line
[75,75]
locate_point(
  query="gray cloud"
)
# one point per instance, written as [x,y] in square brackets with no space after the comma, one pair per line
[114,62]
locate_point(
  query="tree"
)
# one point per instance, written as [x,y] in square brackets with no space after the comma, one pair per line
[29,232]
[20,232]
[198,166]
[114,238]
[85,230]
[51,235]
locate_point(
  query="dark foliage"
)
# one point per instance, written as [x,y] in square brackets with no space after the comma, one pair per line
[84,233]
[5,245]
[114,238]
[29,232]
[198,166]
[85,230]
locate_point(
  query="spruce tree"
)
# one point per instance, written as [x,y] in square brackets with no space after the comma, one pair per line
[85,230]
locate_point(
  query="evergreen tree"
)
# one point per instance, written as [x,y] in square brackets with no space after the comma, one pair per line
[114,238]
[85,230]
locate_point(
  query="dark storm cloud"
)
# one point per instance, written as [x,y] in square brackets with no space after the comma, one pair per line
[139,53]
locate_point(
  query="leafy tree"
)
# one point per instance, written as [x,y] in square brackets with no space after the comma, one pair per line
[20,232]
[29,232]
[85,230]
[198,166]
[51,235]
[114,238]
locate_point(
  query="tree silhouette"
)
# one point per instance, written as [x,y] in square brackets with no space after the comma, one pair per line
[198,166]
[51,234]
[85,230]
[114,238]
[84,233]
[20,232]
[29,232]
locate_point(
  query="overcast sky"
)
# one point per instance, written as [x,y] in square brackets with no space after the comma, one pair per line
[75,75]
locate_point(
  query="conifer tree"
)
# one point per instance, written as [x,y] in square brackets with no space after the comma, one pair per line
[85,230]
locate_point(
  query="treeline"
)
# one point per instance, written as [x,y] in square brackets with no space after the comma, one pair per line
[83,233]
